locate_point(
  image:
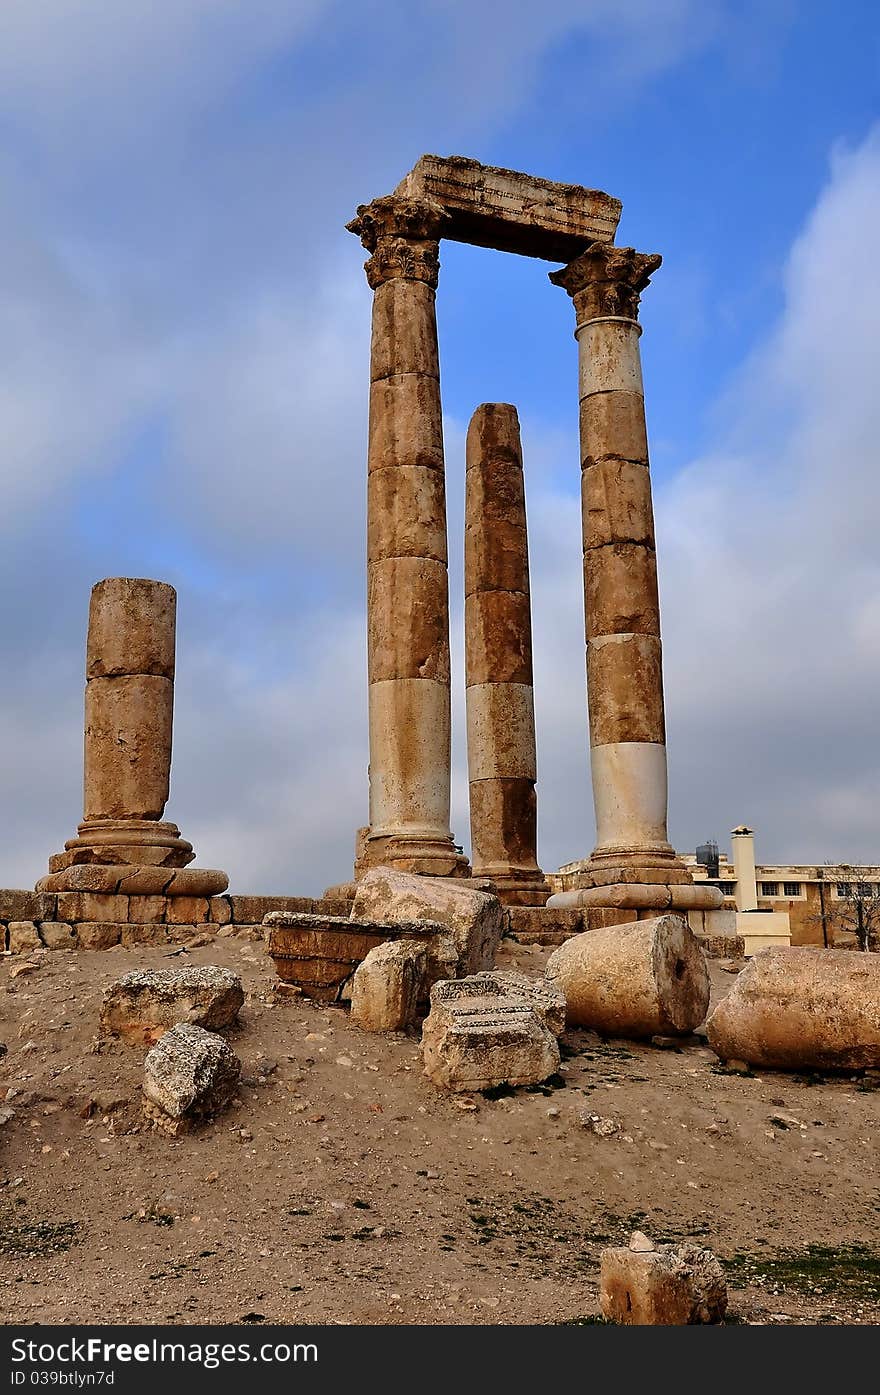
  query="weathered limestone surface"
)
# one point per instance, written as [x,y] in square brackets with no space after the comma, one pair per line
[474,918]
[189,1076]
[149,1001]
[123,845]
[502,762]
[641,979]
[661,1285]
[57,935]
[510,211]
[476,1037]
[796,1008]
[387,985]
[542,996]
[132,624]
[23,936]
[407,591]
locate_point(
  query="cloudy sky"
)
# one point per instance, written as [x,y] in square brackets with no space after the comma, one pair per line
[184,326]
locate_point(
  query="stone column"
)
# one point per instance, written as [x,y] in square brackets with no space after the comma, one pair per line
[123,844]
[624,663]
[502,765]
[407,587]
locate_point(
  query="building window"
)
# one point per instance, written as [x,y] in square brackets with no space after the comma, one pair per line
[770,889]
[791,888]
[843,889]
[877,888]
[863,890]
[729,888]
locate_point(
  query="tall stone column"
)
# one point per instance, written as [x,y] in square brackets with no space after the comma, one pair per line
[123,844]
[622,613]
[502,764]
[407,585]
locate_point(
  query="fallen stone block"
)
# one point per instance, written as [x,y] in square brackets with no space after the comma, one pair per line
[319,953]
[189,1076]
[474,1039]
[150,1001]
[475,919]
[386,987]
[796,1008]
[641,979]
[23,937]
[661,1285]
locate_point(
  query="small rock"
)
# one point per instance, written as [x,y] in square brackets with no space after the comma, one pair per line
[602,1128]
[640,1243]
[6,1114]
[387,986]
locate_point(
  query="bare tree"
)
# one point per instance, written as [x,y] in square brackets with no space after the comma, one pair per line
[857,906]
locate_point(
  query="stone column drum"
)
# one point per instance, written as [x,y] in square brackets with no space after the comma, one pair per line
[622,613]
[122,843]
[502,765]
[407,588]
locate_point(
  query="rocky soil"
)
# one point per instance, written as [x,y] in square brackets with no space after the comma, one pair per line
[341,1187]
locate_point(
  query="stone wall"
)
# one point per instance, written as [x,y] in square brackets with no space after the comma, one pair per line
[89,920]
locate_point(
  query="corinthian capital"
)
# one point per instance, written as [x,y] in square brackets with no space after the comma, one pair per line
[607,280]
[403,236]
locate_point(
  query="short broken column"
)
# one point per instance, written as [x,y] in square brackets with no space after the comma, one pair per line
[802,1008]
[641,979]
[502,762]
[123,844]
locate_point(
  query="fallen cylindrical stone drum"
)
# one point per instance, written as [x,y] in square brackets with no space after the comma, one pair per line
[641,979]
[792,1008]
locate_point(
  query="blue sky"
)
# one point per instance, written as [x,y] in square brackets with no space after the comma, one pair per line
[186,331]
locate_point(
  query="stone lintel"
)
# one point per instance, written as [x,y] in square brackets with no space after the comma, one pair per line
[510,211]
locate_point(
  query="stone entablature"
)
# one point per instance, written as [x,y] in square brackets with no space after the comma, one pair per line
[510,211]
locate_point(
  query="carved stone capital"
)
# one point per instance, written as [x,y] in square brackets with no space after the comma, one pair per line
[403,236]
[607,280]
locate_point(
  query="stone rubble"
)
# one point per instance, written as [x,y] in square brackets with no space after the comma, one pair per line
[475,919]
[147,1002]
[189,1076]
[477,1037]
[387,985]
[648,1284]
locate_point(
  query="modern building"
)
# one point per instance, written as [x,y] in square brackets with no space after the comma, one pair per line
[823,904]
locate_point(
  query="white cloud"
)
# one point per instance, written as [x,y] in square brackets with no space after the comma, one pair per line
[769,563]
[164,260]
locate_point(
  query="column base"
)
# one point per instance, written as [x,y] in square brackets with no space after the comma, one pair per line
[516,886]
[140,856]
[426,857]
[641,880]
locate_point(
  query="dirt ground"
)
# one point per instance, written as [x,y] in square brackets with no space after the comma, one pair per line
[341,1187]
